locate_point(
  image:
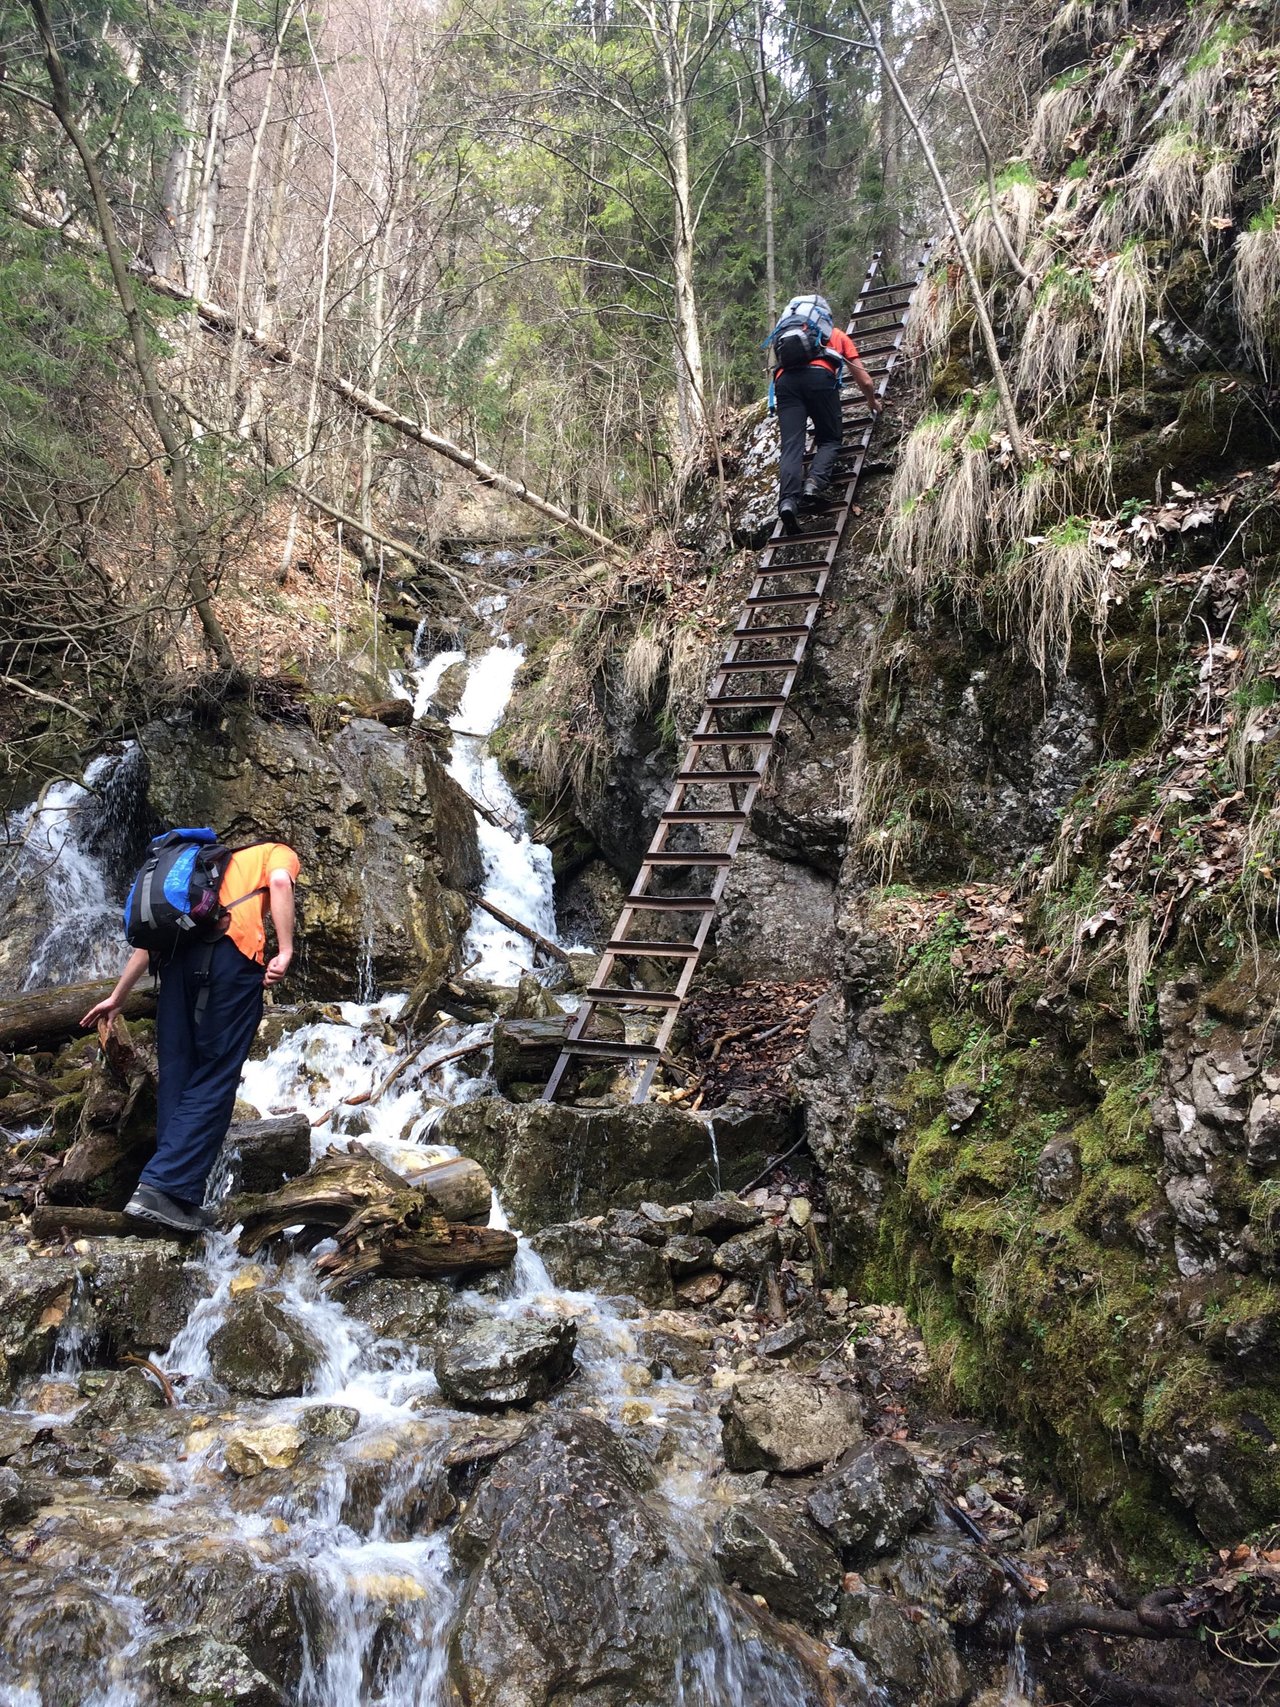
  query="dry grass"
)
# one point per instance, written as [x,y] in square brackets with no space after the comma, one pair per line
[888,816]
[935,312]
[1126,292]
[1095,20]
[1217,199]
[1061,327]
[641,669]
[1166,188]
[1051,582]
[940,503]
[1139,957]
[1058,112]
[1109,227]
[1018,200]
[1256,289]
[1114,96]
[923,460]
[1202,98]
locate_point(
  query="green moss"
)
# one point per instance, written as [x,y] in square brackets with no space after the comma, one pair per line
[946,1037]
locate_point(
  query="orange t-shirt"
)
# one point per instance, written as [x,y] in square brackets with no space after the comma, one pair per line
[246,871]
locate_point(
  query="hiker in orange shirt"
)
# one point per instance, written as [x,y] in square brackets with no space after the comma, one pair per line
[810,352]
[209,1006]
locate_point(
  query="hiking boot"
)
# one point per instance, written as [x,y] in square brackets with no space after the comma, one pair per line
[150,1204]
[788,517]
[818,497]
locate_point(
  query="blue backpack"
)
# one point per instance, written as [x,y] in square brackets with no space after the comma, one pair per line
[802,333]
[174,897]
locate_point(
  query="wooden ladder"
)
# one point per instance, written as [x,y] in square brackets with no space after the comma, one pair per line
[728,752]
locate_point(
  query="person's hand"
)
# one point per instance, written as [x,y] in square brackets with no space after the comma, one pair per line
[101,1010]
[277,966]
[875,404]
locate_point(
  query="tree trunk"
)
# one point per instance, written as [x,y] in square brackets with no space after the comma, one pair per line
[46,1019]
[205,213]
[889,224]
[690,394]
[168,244]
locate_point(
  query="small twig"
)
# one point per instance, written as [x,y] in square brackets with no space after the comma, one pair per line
[776,1162]
[166,1386]
[535,937]
[457,1054]
[394,1074]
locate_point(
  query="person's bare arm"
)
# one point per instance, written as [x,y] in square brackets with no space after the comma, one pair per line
[280,893]
[863,380]
[134,967]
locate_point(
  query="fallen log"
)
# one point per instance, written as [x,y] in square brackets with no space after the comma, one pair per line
[345,1182]
[518,925]
[54,1220]
[44,1019]
[435,1248]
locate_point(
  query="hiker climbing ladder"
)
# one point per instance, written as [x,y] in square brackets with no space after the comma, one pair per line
[667,918]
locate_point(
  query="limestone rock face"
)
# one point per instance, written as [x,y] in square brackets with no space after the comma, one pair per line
[35,1295]
[494,1363]
[870,1503]
[120,1398]
[386,838]
[784,1422]
[551,1163]
[399,1309]
[269,1446]
[195,1669]
[582,1258]
[262,1350]
[912,1657]
[576,1593]
[774,1552]
[1058,1171]
[957,1580]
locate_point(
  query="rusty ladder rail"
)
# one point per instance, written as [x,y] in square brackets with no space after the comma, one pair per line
[739,752]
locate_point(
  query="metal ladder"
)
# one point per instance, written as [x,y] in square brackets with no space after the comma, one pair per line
[728,752]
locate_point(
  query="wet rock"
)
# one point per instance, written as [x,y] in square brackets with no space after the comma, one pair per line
[1058,1171]
[786,1339]
[785,1422]
[139,1481]
[674,1219]
[494,1363]
[958,1581]
[633,1225]
[1262,1131]
[586,1258]
[776,919]
[747,1255]
[552,1163]
[194,1669]
[870,1503]
[909,1654]
[666,1352]
[399,1309]
[722,1217]
[577,1595]
[16,1500]
[700,1289]
[686,1254]
[329,1422]
[271,1446]
[260,1155]
[72,1621]
[35,1295]
[774,1552]
[138,1293]
[525,1051]
[262,1350]
[118,1399]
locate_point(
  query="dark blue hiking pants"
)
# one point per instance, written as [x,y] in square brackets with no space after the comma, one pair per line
[801,395]
[200,1064]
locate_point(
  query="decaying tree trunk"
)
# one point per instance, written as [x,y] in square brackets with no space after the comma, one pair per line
[403,1240]
[47,1018]
[54,1220]
[345,1183]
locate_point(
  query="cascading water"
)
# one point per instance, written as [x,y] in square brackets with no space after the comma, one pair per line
[69,853]
[350,1530]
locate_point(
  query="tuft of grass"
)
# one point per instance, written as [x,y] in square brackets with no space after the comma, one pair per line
[1256,288]
[935,312]
[1052,581]
[1126,291]
[1216,198]
[1109,226]
[641,668]
[1095,20]
[1018,197]
[1060,327]
[1114,97]
[1167,182]
[1058,112]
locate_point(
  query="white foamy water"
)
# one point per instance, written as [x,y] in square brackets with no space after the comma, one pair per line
[517,870]
[81,930]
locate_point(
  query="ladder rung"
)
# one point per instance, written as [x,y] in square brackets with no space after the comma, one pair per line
[818,563]
[731,738]
[885,289]
[603,1050]
[773,630]
[671,903]
[760,601]
[607,998]
[811,538]
[666,859]
[753,701]
[744,664]
[713,815]
[639,948]
[719,776]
